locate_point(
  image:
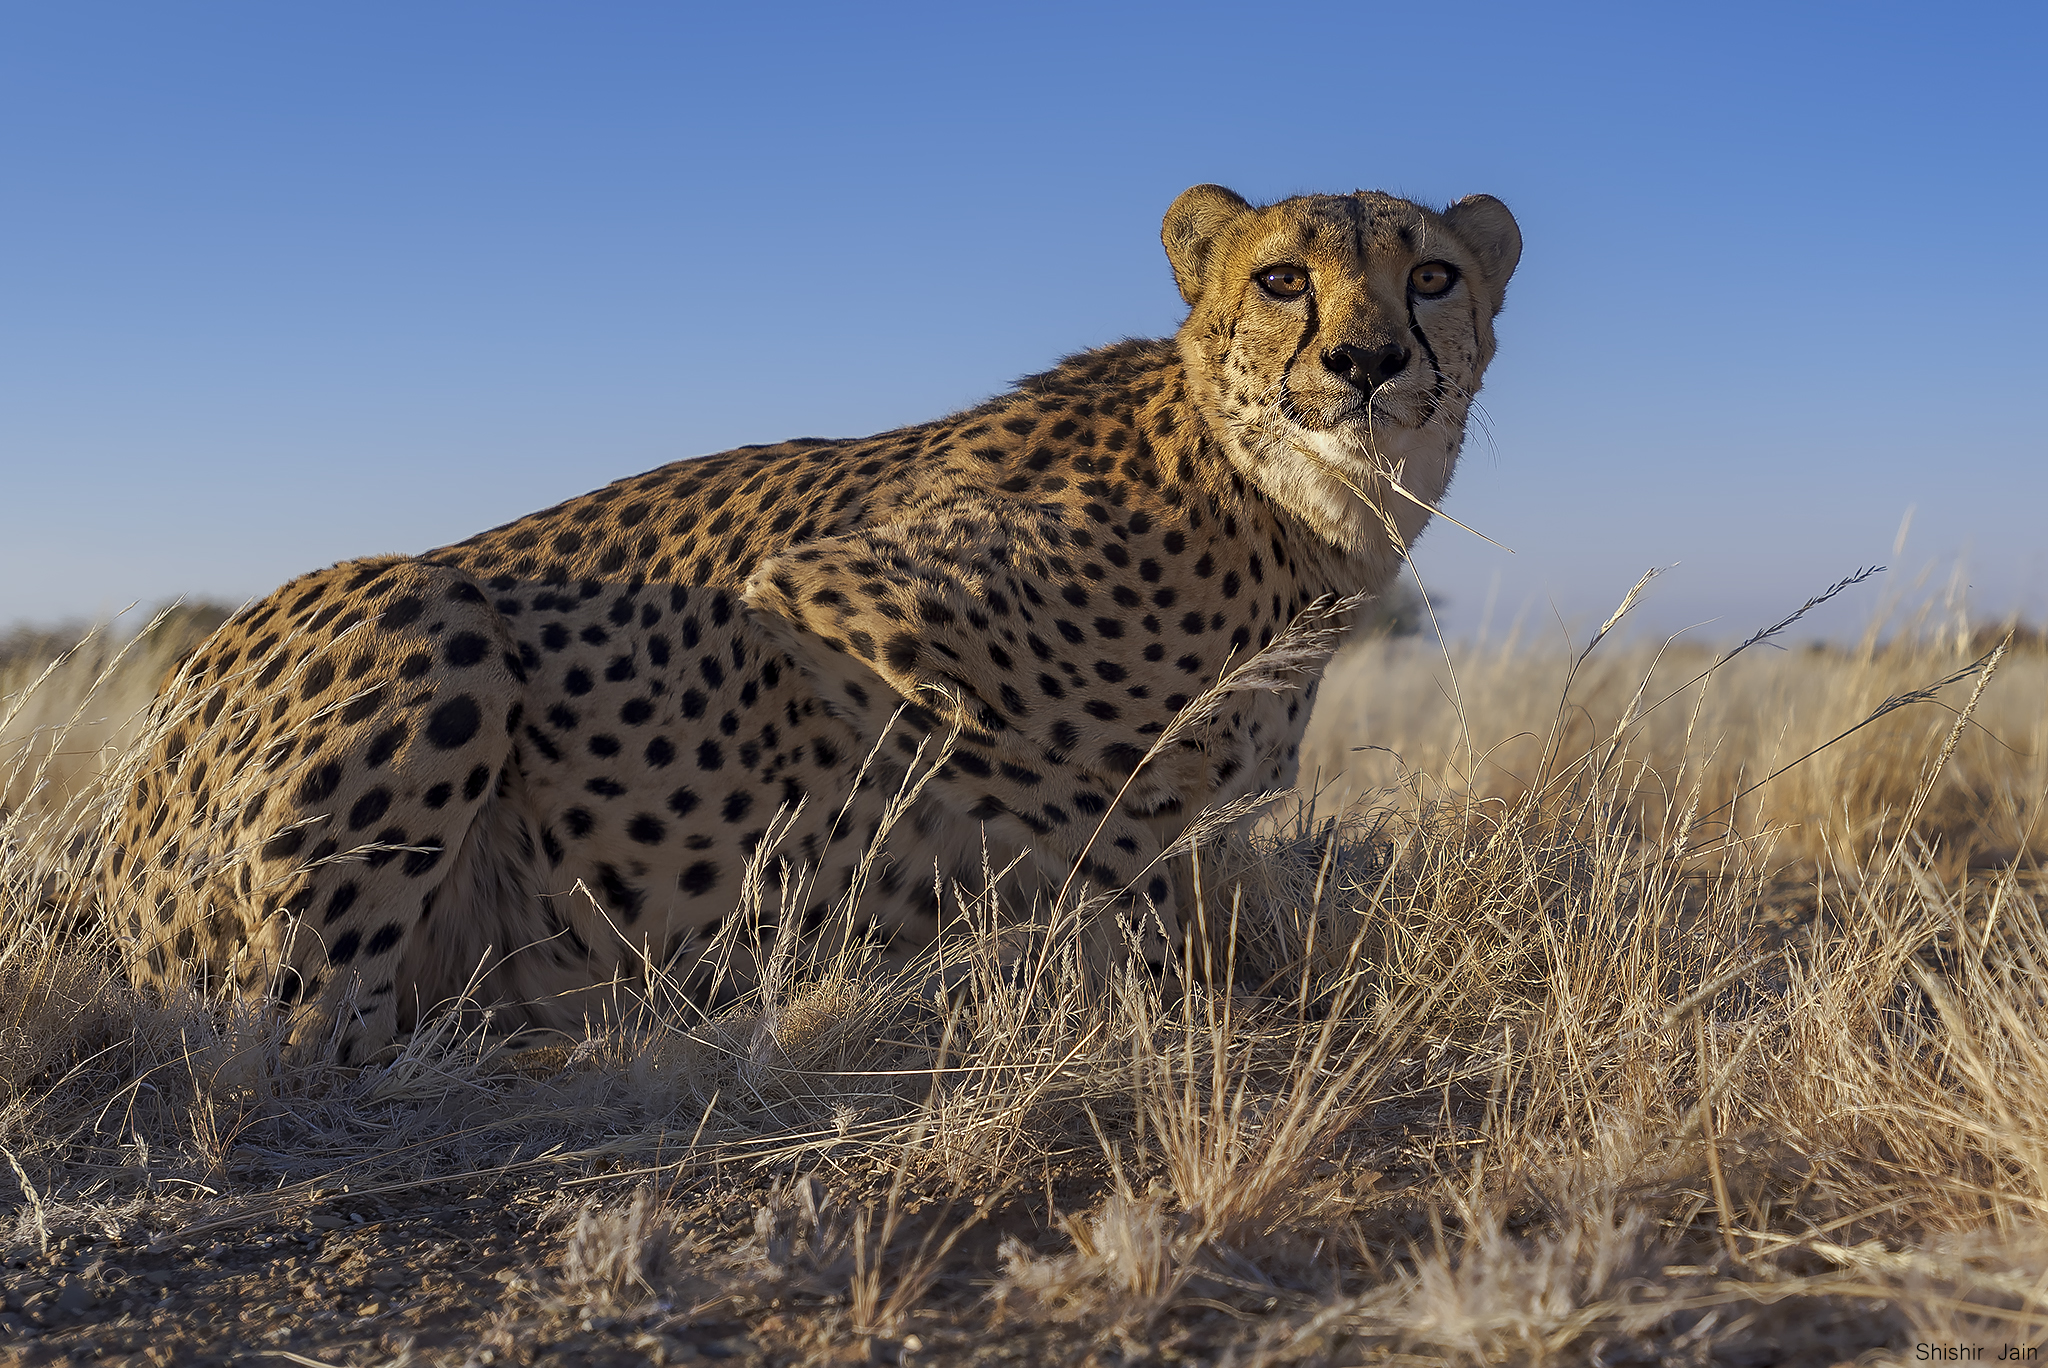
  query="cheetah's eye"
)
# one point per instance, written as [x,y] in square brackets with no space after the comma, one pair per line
[1283,282]
[1432,278]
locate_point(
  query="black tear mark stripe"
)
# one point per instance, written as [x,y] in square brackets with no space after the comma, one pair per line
[1287,409]
[1436,385]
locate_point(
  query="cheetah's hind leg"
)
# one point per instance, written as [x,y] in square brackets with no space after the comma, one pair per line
[317,764]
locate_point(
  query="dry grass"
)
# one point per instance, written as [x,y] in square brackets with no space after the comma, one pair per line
[1543,1033]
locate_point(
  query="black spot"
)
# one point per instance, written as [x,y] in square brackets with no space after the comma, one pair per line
[337,906]
[319,784]
[699,878]
[415,665]
[693,704]
[419,861]
[554,636]
[647,829]
[682,802]
[577,682]
[660,752]
[401,612]
[369,808]
[454,723]
[387,936]
[465,649]
[636,711]
[710,757]
[473,786]
[603,787]
[285,844]
[343,951]
[737,804]
[621,668]
[625,899]
[391,837]
[579,821]
[385,744]
[437,797]
[604,746]
[318,679]
[1123,757]
[362,707]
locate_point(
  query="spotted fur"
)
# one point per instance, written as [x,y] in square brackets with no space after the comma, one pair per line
[391,774]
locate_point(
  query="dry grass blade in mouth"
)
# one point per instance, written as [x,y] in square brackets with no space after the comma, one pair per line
[1386,475]
[1664,1063]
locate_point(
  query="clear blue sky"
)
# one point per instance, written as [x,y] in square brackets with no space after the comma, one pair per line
[284,284]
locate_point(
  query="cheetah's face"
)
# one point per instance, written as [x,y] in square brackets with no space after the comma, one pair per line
[1336,342]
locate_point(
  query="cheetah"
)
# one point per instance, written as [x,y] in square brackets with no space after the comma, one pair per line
[546,752]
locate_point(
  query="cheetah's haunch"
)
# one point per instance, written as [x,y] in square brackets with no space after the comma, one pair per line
[391,771]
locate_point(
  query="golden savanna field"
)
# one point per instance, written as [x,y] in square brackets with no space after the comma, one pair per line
[1548,1023]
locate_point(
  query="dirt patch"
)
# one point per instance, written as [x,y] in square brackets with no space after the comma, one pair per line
[463,1276]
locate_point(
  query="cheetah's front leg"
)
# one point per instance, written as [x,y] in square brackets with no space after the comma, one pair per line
[964,614]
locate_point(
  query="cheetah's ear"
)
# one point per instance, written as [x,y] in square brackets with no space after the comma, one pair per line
[1191,226]
[1484,224]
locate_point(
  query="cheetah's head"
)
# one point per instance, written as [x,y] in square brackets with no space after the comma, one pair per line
[1335,342]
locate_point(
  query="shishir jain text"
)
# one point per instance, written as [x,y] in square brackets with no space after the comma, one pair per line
[1976,1353]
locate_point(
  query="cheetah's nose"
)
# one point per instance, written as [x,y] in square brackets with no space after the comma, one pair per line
[1366,368]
